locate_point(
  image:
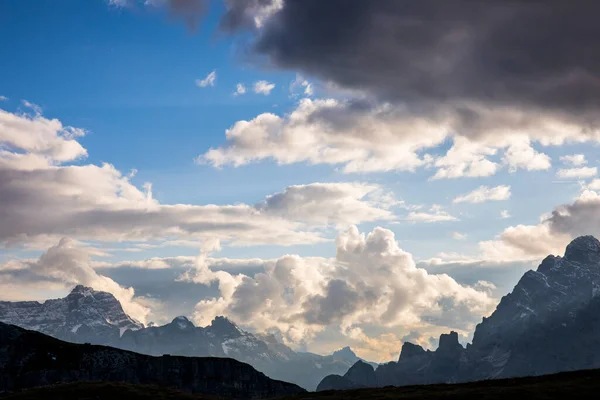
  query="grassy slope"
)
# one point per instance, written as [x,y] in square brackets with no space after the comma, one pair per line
[579,385]
[566,385]
[104,390]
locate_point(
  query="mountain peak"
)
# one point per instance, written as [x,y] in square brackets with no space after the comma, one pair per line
[449,341]
[183,322]
[410,350]
[362,374]
[345,351]
[84,290]
[225,326]
[583,249]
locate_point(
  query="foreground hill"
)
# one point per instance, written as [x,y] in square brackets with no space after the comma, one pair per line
[567,385]
[90,316]
[548,324]
[30,359]
[105,390]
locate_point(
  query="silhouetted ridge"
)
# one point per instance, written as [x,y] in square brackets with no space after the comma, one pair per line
[411,350]
[30,359]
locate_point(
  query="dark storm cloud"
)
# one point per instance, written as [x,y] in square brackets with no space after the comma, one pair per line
[523,53]
[241,13]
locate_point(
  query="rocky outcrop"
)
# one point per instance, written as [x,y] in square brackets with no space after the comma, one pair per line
[29,359]
[548,324]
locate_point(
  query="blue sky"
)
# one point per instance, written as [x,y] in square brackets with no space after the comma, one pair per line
[127,75]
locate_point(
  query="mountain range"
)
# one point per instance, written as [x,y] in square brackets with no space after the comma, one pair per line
[90,316]
[549,323]
[31,359]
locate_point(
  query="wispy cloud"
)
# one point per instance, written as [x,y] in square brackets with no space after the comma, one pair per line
[484,193]
[435,214]
[577,173]
[458,236]
[210,80]
[576,160]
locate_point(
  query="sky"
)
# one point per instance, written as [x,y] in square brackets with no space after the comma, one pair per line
[336,173]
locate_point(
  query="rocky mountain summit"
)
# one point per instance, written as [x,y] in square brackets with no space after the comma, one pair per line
[549,323]
[85,315]
[30,359]
[90,316]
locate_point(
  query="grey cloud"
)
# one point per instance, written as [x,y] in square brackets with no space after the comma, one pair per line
[582,217]
[536,54]
[339,300]
[242,13]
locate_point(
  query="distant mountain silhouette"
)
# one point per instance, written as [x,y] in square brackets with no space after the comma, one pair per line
[29,359]
[549,323]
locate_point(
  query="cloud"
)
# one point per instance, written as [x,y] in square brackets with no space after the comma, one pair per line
[458,236]
[3,98]
[577,173]
[521,155]
[435,214]
[593,185]
[582,217]
[484,193]
[301,85]
[46,141]
[532,243]
[459,73]
[263,87]
[44,198]
[330,132]
[576,160]
[551,235]
[210,80]
[365,136]
[464,69]
[504,214]
[250,14]
[448,53]
[63,266]
[329,203]
[370,281]
[240,89]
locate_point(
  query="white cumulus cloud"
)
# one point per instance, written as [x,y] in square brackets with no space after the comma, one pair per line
[263,87]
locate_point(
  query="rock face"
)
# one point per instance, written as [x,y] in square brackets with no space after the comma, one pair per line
[85,315]
[89,316]
[549,323]
[29,359]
